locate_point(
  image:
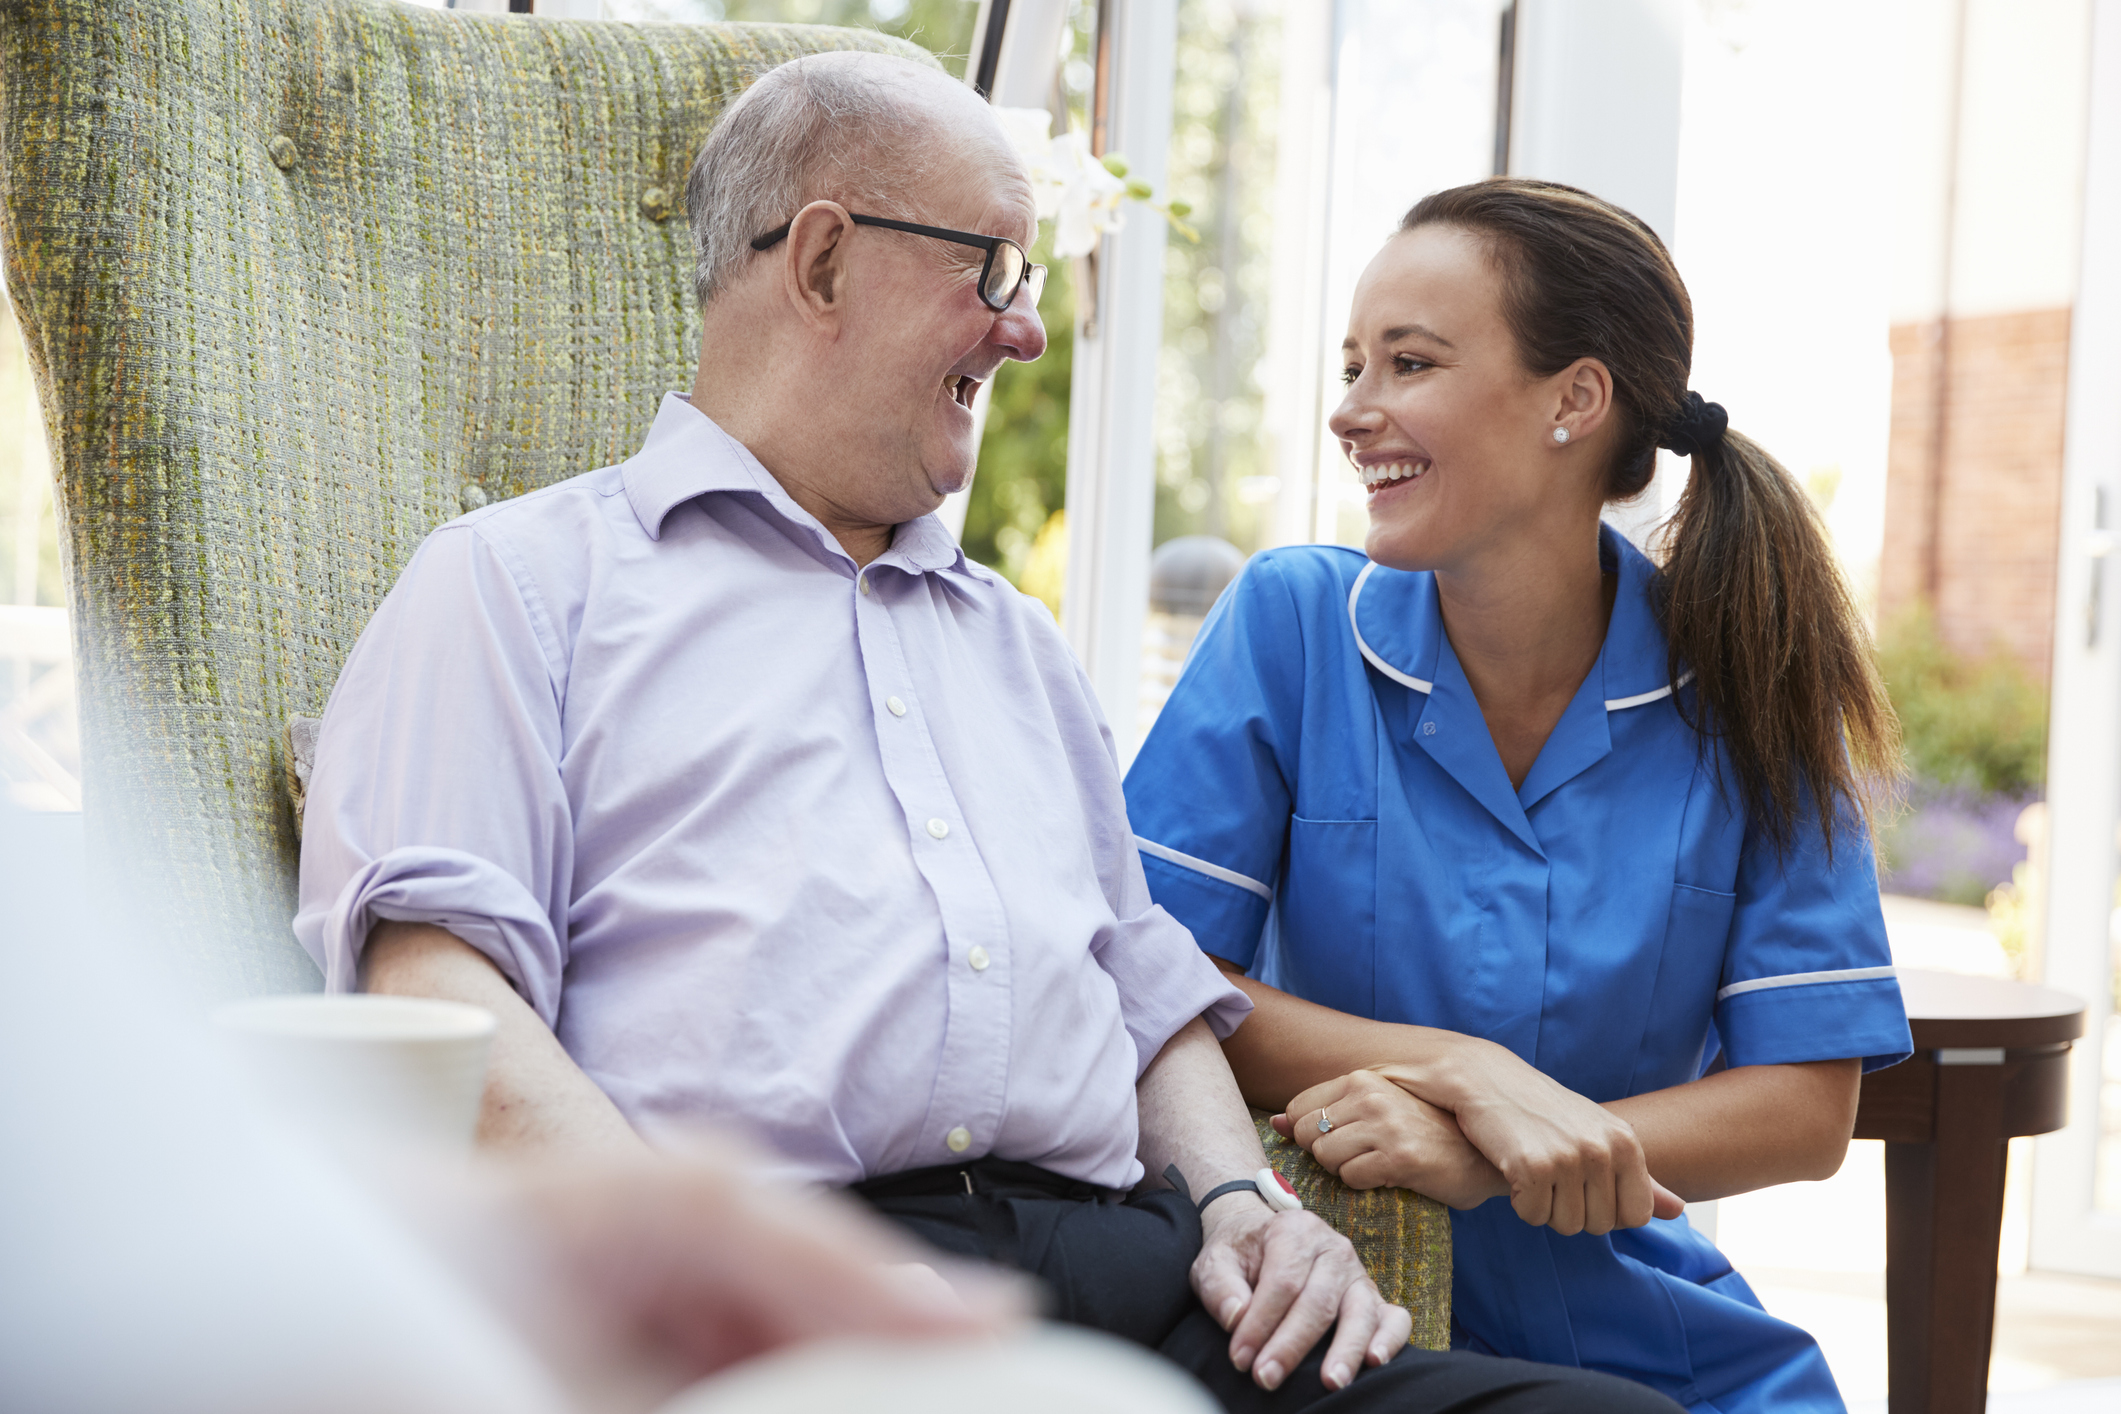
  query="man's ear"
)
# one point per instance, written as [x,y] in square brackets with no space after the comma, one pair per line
[814,267]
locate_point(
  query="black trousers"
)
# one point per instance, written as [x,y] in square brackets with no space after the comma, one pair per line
[1122,1265]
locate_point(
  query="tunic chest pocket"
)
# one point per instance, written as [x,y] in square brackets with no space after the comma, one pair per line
[1696,936]
[1328,913]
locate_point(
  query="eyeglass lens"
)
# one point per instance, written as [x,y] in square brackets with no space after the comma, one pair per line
[1005,272]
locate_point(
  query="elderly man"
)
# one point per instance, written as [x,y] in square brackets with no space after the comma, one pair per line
[740,796]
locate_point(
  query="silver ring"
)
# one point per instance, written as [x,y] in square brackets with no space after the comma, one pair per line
[1325,1124]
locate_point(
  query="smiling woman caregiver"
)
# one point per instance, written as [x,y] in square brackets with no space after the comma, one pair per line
[1502,894]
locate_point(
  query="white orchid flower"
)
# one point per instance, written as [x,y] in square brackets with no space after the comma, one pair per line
[1073,188]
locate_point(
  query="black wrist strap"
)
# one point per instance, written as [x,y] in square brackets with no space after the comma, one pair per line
[1235,1185]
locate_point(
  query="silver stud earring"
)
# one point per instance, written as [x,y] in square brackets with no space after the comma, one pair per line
[1561,434]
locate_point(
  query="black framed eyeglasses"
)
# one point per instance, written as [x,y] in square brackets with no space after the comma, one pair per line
[1007,269]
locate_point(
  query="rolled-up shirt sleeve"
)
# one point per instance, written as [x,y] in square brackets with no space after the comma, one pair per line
[1164,981]
[436,796]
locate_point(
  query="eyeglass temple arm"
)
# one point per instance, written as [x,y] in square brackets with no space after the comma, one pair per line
[780,233]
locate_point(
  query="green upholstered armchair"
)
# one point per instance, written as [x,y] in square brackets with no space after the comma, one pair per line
[301,280]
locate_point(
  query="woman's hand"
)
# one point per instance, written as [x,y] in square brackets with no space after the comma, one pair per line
[1384,1137]
[1572,1165]
[1566,1163]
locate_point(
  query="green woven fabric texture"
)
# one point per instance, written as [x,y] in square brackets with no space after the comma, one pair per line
[301,280]
[1404,1239]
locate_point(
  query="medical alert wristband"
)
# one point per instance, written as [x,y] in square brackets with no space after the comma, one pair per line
[1269,1185]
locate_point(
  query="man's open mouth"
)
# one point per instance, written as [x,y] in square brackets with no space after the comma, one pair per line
[963,387]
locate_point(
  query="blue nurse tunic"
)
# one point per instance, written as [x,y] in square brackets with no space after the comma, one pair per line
[1322,804]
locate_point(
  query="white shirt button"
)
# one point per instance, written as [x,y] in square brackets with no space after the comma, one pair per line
[978,958]
[897,706]
[938,828]
[959,1139]
[863,581]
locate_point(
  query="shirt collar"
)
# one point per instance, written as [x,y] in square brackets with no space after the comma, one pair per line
[687,455]
[1399,627]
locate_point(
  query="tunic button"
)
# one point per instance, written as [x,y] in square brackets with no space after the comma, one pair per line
[959,1139]
[863,581]
[938,828]
[978,958]
[897,706]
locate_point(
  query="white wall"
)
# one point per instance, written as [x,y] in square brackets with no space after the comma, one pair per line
[1597,100]
[2020,138]
[1785,236]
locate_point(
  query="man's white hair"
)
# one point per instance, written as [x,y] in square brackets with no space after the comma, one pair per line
[845,127]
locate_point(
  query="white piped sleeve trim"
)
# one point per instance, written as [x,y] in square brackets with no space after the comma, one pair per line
[1202,866]
[1806,979]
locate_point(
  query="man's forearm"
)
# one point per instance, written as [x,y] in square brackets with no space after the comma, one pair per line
[1193,1116]
[537,1101]
[1277,1281]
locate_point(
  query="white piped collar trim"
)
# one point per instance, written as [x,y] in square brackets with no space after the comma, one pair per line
[1370,656]
[1369,653]
[1621,704]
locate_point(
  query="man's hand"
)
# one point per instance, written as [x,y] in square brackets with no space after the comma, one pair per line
[1278,1281]
[1383,1137]
[1275,1281]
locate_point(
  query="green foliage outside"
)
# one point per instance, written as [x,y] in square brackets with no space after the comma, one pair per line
[1211,468]
[1975,734]
[1973,723]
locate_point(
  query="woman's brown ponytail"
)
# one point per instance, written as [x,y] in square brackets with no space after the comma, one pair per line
[1752,600]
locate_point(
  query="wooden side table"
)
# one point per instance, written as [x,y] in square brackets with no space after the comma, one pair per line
[1990,1064]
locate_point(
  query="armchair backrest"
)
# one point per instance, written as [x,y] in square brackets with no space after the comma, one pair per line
[301,280]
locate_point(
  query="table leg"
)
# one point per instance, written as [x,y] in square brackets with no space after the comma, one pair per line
[1944,1218]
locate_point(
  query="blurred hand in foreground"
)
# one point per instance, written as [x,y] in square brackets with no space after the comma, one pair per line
[655,1270]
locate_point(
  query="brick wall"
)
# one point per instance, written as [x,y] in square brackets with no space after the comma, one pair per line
[2001,485]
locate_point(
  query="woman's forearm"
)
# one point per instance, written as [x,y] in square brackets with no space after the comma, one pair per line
[1727,1133]
[1748,1128]
[1287,1045]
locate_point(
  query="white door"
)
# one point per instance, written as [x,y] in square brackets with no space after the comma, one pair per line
[2077,1172]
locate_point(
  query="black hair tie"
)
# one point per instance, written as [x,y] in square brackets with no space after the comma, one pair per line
[1699,426]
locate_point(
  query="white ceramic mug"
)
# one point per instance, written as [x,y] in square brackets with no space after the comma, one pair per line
[362,1072]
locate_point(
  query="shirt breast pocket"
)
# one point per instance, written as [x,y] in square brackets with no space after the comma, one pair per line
[1327,914]
[1683,1002]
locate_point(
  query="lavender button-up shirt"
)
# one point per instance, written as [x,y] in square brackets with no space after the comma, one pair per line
[837,856]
